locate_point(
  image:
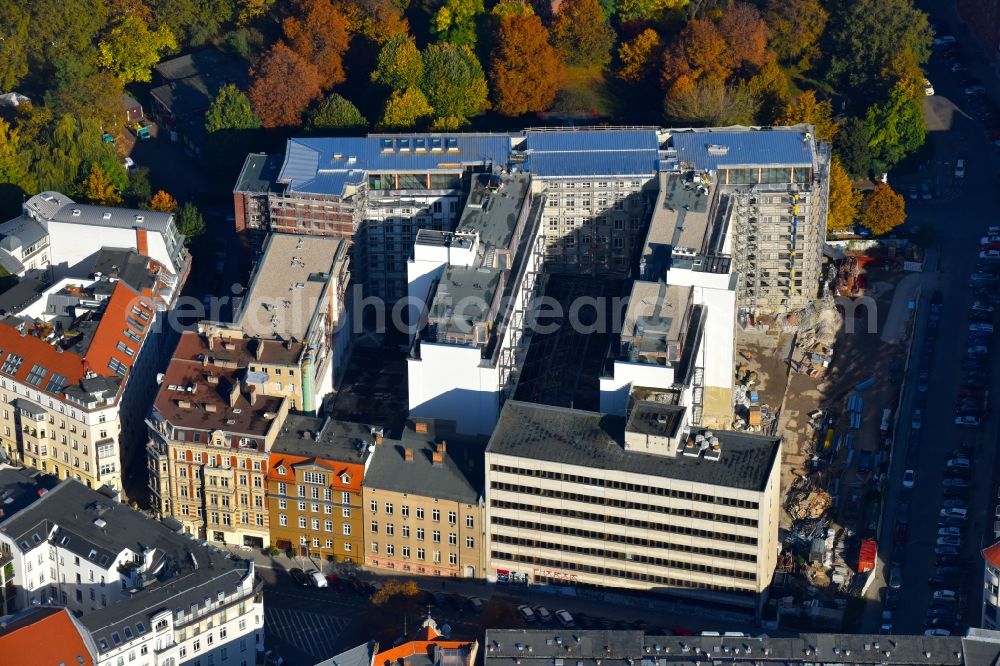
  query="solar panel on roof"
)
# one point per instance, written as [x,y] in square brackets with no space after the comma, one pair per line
[420,144]
[386,144]
[402,144]
[436,143]
[451,143]
[56,383]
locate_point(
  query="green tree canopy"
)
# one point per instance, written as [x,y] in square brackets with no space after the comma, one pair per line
[406,109]
[807,109]
[400,64]
[336,112]
[865,36]
[14,42]
[231,110]
[646,10]
[581,31]
[710,102]
[455,21]
[193,22]
[190,223]
[796,28]
[895,127]
[131,49]
[844,199]
[454,83]
[851,145]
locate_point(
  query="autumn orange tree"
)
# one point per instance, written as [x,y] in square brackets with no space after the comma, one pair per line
[581,32]
[317,32]
[282,86]
[98,188]
[638,56]
[163,201]
[796,27]
[746,34]
[807,109]
[844,199]
[526,71]
[883,209]
[698,52]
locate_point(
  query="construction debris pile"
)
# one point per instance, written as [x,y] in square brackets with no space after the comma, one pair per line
[849,280]
[817,327]
[806,504]
[751,415]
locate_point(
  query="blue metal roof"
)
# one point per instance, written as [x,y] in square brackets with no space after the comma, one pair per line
[583,163]
[550,141]
[592,152]
[721,149]
[325,165]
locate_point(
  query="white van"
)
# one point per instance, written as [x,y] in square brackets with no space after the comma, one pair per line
[317,579]
[945,595]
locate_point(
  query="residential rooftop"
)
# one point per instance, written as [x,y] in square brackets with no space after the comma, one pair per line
[183,574]
[21,233]
[259,173]
[49,634]
[193,80]
[325,439]
[621,648]
[288,285]
[328,165]
[656,320]
[740,147]
[57,207]
[657,419]
[596,441]
[127,265]
[21,295]
[581,152]
[207,387]
[455,478]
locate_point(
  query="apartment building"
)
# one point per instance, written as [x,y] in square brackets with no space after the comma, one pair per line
[77,365]
[144,593]
[56,236]
[537,647]
[991,587]
[427,648]
[50,634]
[583,498]
[297,296]
[423,509]
[210,432]
[599,187]
[776,185]
[474,287]
[20,487]
[376,192]
[314,479]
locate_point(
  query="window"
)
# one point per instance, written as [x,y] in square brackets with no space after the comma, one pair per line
[453,539]
[420,554]
[315,523]
[374,546]
[346,529]
[314,507]
[12,364]
[302,522]
[436,515]
[452,559]
[404,511]
[406,552]
[282,488]
[389,529]
[36,375]
[436,536]
[345,498]
[452,518]
[420,514]
[125,349]
[420,534]
[470,542]
[406,531]
[388,508]
[374,506]
[469,522]
[374,527]
[437,557]
[328,525]
[117,367]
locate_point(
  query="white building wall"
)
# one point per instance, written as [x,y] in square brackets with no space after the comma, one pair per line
[448,382]
[714,292]
[615,389]
[71,244]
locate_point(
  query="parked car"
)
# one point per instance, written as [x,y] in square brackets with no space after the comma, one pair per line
[909,478]
[299,576]
[900,534]
[949,531]
[977,350]
[974,91]
[955,483]
[959,164]
[896,578]
[526,613]
[914,192]
[945,550]
[543,614]
[903,513]
[958,461]
[937,632]
[925,189]
[316,579]
[949,541]
[956,504]
[954,512]
[982,328]
[565,619]
[967,421]
[475,604]
[916,420]
[944,41]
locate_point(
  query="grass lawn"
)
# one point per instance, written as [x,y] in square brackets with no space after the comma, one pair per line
[586,91]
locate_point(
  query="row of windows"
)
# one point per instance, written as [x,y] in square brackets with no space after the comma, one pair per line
[390,550]
[390,530]
[630,487]
[404,511]
[314,491]
[624,504]
[327,525]
[314,507]
[623,539]
[615,555]
[609,571]
[615,519]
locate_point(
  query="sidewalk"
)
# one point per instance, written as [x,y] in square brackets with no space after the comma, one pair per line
[657,613]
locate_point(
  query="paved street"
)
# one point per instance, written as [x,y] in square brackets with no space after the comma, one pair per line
[960,217]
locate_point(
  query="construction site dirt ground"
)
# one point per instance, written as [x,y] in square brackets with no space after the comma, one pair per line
[857,357]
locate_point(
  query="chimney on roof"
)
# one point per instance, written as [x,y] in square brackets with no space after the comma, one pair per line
[234,393]
[211,341]
[253,395]
[441,447]
[258,349]
[408,454]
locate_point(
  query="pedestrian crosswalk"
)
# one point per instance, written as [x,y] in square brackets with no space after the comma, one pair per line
[311,633]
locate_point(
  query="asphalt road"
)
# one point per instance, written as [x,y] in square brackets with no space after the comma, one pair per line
[960,217]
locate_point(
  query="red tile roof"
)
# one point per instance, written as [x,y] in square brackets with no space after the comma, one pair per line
[114,320]
[992,555]
[48,635]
